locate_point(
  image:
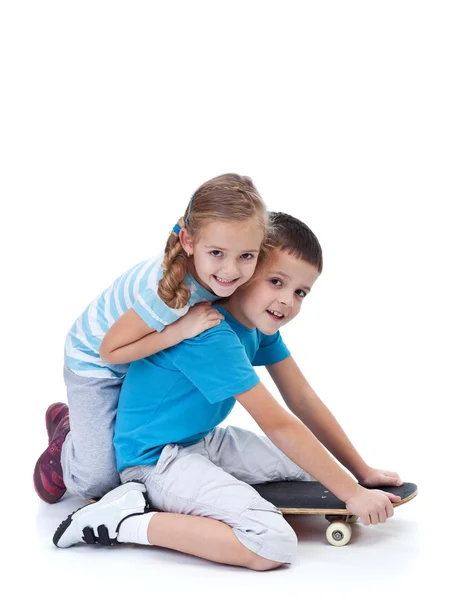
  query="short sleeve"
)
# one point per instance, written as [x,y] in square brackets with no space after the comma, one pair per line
[216,363]
[271,350]
[154,311]
[151,308]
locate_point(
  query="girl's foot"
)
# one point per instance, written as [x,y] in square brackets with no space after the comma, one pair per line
[53,415]
[48,478]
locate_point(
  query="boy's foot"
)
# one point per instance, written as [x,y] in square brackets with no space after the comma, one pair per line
[48,477]
[99,523]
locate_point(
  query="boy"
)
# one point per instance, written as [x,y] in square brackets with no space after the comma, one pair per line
[169,448]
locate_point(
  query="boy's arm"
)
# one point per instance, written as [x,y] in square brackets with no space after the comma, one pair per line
[293,438]
[307,406]
[130,338]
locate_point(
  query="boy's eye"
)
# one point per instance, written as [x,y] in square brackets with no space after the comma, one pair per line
[301,293]
[276,282]
[216,253]
[247,256]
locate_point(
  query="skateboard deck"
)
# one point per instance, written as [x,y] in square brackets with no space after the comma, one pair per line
[311,498]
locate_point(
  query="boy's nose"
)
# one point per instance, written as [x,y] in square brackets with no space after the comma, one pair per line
[287,301]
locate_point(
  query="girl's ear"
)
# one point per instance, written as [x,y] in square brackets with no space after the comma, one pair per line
[186,241]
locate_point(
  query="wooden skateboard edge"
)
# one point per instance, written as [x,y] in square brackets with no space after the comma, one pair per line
[336,511]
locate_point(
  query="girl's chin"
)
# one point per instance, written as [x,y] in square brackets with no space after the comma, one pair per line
[222,293]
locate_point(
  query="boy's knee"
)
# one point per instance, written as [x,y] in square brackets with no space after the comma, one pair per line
[268,535]
[263,564]
[285,541]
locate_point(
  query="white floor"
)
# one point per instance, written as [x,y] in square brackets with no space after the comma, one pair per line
[400,556]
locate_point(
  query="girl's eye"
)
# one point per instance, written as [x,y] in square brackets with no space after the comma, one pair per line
[276,282]
[216,253]
[301,293]
[247,256]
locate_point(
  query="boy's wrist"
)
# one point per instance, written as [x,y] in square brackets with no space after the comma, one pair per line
[341,484]
[348,492]
[362,471]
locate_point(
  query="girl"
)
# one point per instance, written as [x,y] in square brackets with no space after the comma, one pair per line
[210,252]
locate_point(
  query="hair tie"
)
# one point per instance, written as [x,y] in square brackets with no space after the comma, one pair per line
[176,228]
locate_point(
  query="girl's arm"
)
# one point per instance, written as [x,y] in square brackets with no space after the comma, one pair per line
[130,338]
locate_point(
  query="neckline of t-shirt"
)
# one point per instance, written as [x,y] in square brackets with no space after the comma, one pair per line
[206,294]
[230,317]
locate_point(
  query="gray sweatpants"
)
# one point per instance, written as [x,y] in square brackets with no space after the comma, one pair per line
[87,458]
[211,479]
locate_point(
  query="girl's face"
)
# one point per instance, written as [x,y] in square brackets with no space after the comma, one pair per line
[225,256]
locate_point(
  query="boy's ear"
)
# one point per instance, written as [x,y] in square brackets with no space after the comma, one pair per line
[186,241]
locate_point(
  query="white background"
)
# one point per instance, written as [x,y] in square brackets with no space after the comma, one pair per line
[112,114]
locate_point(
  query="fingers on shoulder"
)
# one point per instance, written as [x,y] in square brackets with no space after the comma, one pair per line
[214,322]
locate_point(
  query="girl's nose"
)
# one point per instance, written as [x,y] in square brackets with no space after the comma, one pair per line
[231,270]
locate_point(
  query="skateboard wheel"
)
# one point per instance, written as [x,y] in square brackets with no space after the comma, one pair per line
[339,533]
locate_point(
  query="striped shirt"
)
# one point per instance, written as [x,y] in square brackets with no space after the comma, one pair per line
[136,289]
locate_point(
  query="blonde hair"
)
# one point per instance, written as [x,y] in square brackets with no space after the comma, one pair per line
[227,198]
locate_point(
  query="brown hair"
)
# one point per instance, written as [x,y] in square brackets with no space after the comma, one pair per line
[230,198]
[292,235]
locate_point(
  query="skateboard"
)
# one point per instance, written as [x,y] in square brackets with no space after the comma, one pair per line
[311,498]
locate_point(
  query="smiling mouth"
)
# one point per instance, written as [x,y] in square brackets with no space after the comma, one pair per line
[275,315]
[225,282]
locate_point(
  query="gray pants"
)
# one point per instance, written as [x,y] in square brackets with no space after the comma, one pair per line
[210,479]
[88,459]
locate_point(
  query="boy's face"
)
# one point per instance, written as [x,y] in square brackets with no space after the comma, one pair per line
[275,295]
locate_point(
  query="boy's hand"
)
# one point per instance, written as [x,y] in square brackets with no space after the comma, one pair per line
[378,477]
[372,506]
[199,318]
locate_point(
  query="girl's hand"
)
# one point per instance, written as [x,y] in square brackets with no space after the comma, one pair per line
[379,477]
[199,318]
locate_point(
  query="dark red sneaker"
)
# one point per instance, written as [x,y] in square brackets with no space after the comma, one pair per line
[53,415]
[48,477]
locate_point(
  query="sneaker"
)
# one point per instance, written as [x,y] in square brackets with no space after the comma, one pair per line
[48,477]
[53,415]
[99,523]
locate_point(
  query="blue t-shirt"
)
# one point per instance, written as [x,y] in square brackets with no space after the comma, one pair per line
[182,393]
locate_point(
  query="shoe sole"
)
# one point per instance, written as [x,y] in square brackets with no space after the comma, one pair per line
[120,492]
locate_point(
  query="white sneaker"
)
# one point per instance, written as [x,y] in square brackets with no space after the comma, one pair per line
[98,523]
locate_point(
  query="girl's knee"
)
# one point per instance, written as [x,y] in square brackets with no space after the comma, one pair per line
[94,483]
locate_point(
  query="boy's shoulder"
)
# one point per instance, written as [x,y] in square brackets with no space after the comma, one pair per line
[241,330]
[228,333]
[215,335]
[231,333]
[230,341]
